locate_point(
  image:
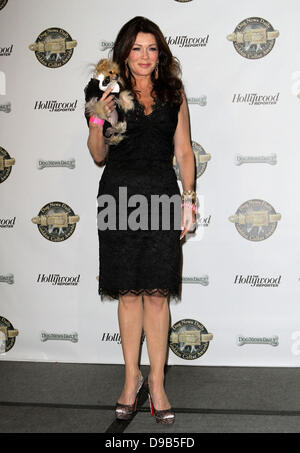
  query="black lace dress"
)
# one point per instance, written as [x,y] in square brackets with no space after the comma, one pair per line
[140,260]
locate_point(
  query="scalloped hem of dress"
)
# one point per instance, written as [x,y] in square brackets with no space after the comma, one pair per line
[115,294]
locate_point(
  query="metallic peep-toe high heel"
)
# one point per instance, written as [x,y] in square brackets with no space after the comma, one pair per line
[164,416]
[127,411]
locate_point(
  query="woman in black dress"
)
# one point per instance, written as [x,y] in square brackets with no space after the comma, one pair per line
[140,267]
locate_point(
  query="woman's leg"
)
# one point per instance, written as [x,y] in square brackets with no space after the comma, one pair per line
[156,329]
[130,314]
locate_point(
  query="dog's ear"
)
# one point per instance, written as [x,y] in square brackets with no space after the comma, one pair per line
[101,65]
[115,67]
[102,61]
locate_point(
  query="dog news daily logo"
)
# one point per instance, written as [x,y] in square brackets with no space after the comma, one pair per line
[70,163]
[6,162]
[7,335]
[56,221]
[272,341]
[3,3]
[200,100]
[255,220]
[72,337]
[253,38]
[189,339]
[240,159]
[202,280]
[8,278]
[53,47]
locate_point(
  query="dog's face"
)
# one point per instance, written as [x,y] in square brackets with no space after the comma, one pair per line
[109,70]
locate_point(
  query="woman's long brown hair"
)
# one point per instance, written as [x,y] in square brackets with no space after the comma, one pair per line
[168,86]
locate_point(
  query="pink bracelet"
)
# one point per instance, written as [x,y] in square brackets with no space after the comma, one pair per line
[190,205]
[94,119]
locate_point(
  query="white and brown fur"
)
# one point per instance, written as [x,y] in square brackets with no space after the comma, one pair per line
[106,74]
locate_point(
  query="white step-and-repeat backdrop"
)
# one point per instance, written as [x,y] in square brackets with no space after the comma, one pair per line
[240,281]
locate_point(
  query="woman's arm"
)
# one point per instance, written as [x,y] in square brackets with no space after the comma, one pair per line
[183,149]
[185,159]
[96,144]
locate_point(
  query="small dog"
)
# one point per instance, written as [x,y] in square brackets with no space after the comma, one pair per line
[107,74]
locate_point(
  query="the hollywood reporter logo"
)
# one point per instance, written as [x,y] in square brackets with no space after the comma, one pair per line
[6,51]
[186,41]
[55,106]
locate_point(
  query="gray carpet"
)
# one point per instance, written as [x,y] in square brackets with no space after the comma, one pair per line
[80,398]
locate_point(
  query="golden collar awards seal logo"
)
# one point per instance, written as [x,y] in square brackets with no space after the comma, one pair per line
[254,37]
[6,163]
[255,220]
[7,335]
[53,47]
[3,3]
[189,339]
[201,159]
[56,221]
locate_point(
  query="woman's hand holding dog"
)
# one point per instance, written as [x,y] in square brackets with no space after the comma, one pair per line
[104,106]
[96,143]
[108,100]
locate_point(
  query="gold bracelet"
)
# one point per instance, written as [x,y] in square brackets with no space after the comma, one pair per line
[189,194]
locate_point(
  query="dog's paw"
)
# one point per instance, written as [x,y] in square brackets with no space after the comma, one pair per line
[99,110]
[115,139]
[120,127]
[95,108]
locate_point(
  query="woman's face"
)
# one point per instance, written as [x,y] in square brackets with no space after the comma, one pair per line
[143,56]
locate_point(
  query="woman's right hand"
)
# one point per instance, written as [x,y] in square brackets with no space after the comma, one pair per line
[104,106]
[108,100]
[96,143]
